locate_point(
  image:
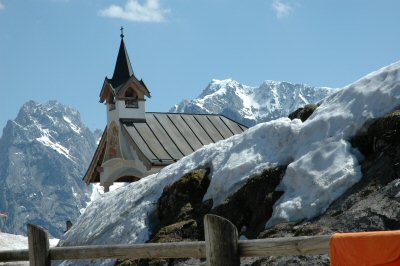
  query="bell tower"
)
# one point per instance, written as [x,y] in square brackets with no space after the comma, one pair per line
[124,94]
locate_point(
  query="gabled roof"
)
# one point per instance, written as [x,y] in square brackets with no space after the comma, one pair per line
[164,138]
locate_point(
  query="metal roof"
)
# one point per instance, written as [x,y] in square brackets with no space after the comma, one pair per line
[166,137]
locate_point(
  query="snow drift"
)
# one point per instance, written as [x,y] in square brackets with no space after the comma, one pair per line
[322,165]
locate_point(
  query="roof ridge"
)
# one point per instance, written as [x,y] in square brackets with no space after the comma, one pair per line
[170,113]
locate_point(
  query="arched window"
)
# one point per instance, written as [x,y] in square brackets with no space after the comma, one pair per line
[131,99]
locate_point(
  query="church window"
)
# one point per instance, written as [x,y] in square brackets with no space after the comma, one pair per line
[131,99]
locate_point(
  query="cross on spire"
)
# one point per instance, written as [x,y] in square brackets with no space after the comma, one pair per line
[122,32]
[123,68]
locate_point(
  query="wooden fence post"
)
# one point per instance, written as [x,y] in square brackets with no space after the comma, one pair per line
[38,246]
[221,241]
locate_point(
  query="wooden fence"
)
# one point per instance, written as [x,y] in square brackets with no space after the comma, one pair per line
[221,247]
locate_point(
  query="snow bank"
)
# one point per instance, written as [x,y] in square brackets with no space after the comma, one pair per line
[10,241]
[324,164]
[321,164]
[16,242]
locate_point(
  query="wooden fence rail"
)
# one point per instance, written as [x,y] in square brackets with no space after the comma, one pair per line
[221,243]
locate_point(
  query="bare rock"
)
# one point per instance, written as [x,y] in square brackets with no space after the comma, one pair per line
[303,113]
[251,206]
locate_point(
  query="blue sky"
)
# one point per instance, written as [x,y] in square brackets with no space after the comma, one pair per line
[63,49]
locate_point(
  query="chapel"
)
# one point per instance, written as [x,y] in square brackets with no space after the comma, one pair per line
[136,143]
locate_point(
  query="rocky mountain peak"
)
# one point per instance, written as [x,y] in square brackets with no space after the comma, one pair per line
[216,84]
[46,151]
[50,114]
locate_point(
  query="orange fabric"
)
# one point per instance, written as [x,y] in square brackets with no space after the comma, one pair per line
[365,249]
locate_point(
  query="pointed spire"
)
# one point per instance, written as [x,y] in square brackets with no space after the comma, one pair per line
[123,68]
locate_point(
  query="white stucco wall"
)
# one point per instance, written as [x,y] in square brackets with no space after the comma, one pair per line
[121,111]
[129,164]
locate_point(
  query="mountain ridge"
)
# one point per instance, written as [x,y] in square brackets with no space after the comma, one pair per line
[252,105]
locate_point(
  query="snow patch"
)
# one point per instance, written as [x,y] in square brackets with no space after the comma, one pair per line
[15,242]
[73,192]
[98,192]
[74,127]
[11,242]
[45,139]
[303,99]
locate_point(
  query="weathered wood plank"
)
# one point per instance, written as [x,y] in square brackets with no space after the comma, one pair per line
[38,242]
[221,241]
[285,246]
[151,250]
[14,255]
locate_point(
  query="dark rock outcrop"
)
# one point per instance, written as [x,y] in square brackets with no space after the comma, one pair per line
[303,113]
[182,201]
[180,209]
[251,206]
[380,136]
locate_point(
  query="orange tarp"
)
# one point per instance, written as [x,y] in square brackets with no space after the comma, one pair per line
[365,249]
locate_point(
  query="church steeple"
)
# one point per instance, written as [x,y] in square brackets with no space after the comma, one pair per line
[123,68]
[123,81]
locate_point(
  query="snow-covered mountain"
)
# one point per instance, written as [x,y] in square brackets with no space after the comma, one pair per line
[320,164]
[252,105]
[44,153]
